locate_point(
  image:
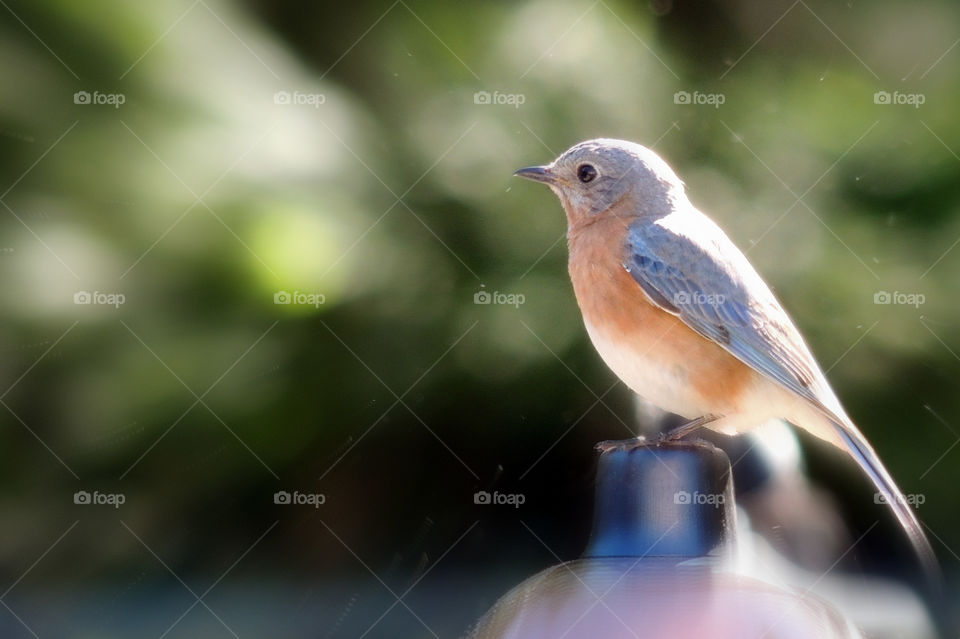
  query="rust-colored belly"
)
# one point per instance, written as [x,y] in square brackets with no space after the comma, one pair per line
[654,352]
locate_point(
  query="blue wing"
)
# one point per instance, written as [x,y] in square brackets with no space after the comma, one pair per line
[710,285]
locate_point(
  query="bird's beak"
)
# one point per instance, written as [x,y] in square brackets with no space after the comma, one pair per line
[537,174]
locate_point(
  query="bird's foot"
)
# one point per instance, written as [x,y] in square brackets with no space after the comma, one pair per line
[692,426]
[621,444]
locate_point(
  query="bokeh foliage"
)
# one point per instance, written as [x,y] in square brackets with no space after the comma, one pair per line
[200,197]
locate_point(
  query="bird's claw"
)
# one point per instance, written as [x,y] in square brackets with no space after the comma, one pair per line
[621,444]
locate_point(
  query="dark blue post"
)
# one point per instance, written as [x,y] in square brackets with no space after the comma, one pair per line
[664,499]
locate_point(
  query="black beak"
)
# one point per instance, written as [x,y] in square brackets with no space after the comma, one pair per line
[537,174]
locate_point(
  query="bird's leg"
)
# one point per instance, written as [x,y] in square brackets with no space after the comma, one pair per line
[693,425]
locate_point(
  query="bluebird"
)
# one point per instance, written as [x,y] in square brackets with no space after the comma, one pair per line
[679,314]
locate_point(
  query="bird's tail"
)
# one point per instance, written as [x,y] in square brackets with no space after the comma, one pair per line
[868,460]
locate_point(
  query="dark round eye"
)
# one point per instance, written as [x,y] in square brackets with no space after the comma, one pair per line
[586,173]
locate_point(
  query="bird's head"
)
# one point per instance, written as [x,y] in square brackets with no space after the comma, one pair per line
[606,177]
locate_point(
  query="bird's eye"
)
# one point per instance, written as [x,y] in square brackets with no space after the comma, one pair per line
[586,173]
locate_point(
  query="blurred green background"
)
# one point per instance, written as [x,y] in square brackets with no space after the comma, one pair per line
[198,158]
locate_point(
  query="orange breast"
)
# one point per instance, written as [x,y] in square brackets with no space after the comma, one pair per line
[614,304]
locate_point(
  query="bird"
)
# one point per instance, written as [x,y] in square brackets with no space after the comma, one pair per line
[680,315]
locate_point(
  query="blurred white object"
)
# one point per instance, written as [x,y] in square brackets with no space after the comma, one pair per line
[636,598]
